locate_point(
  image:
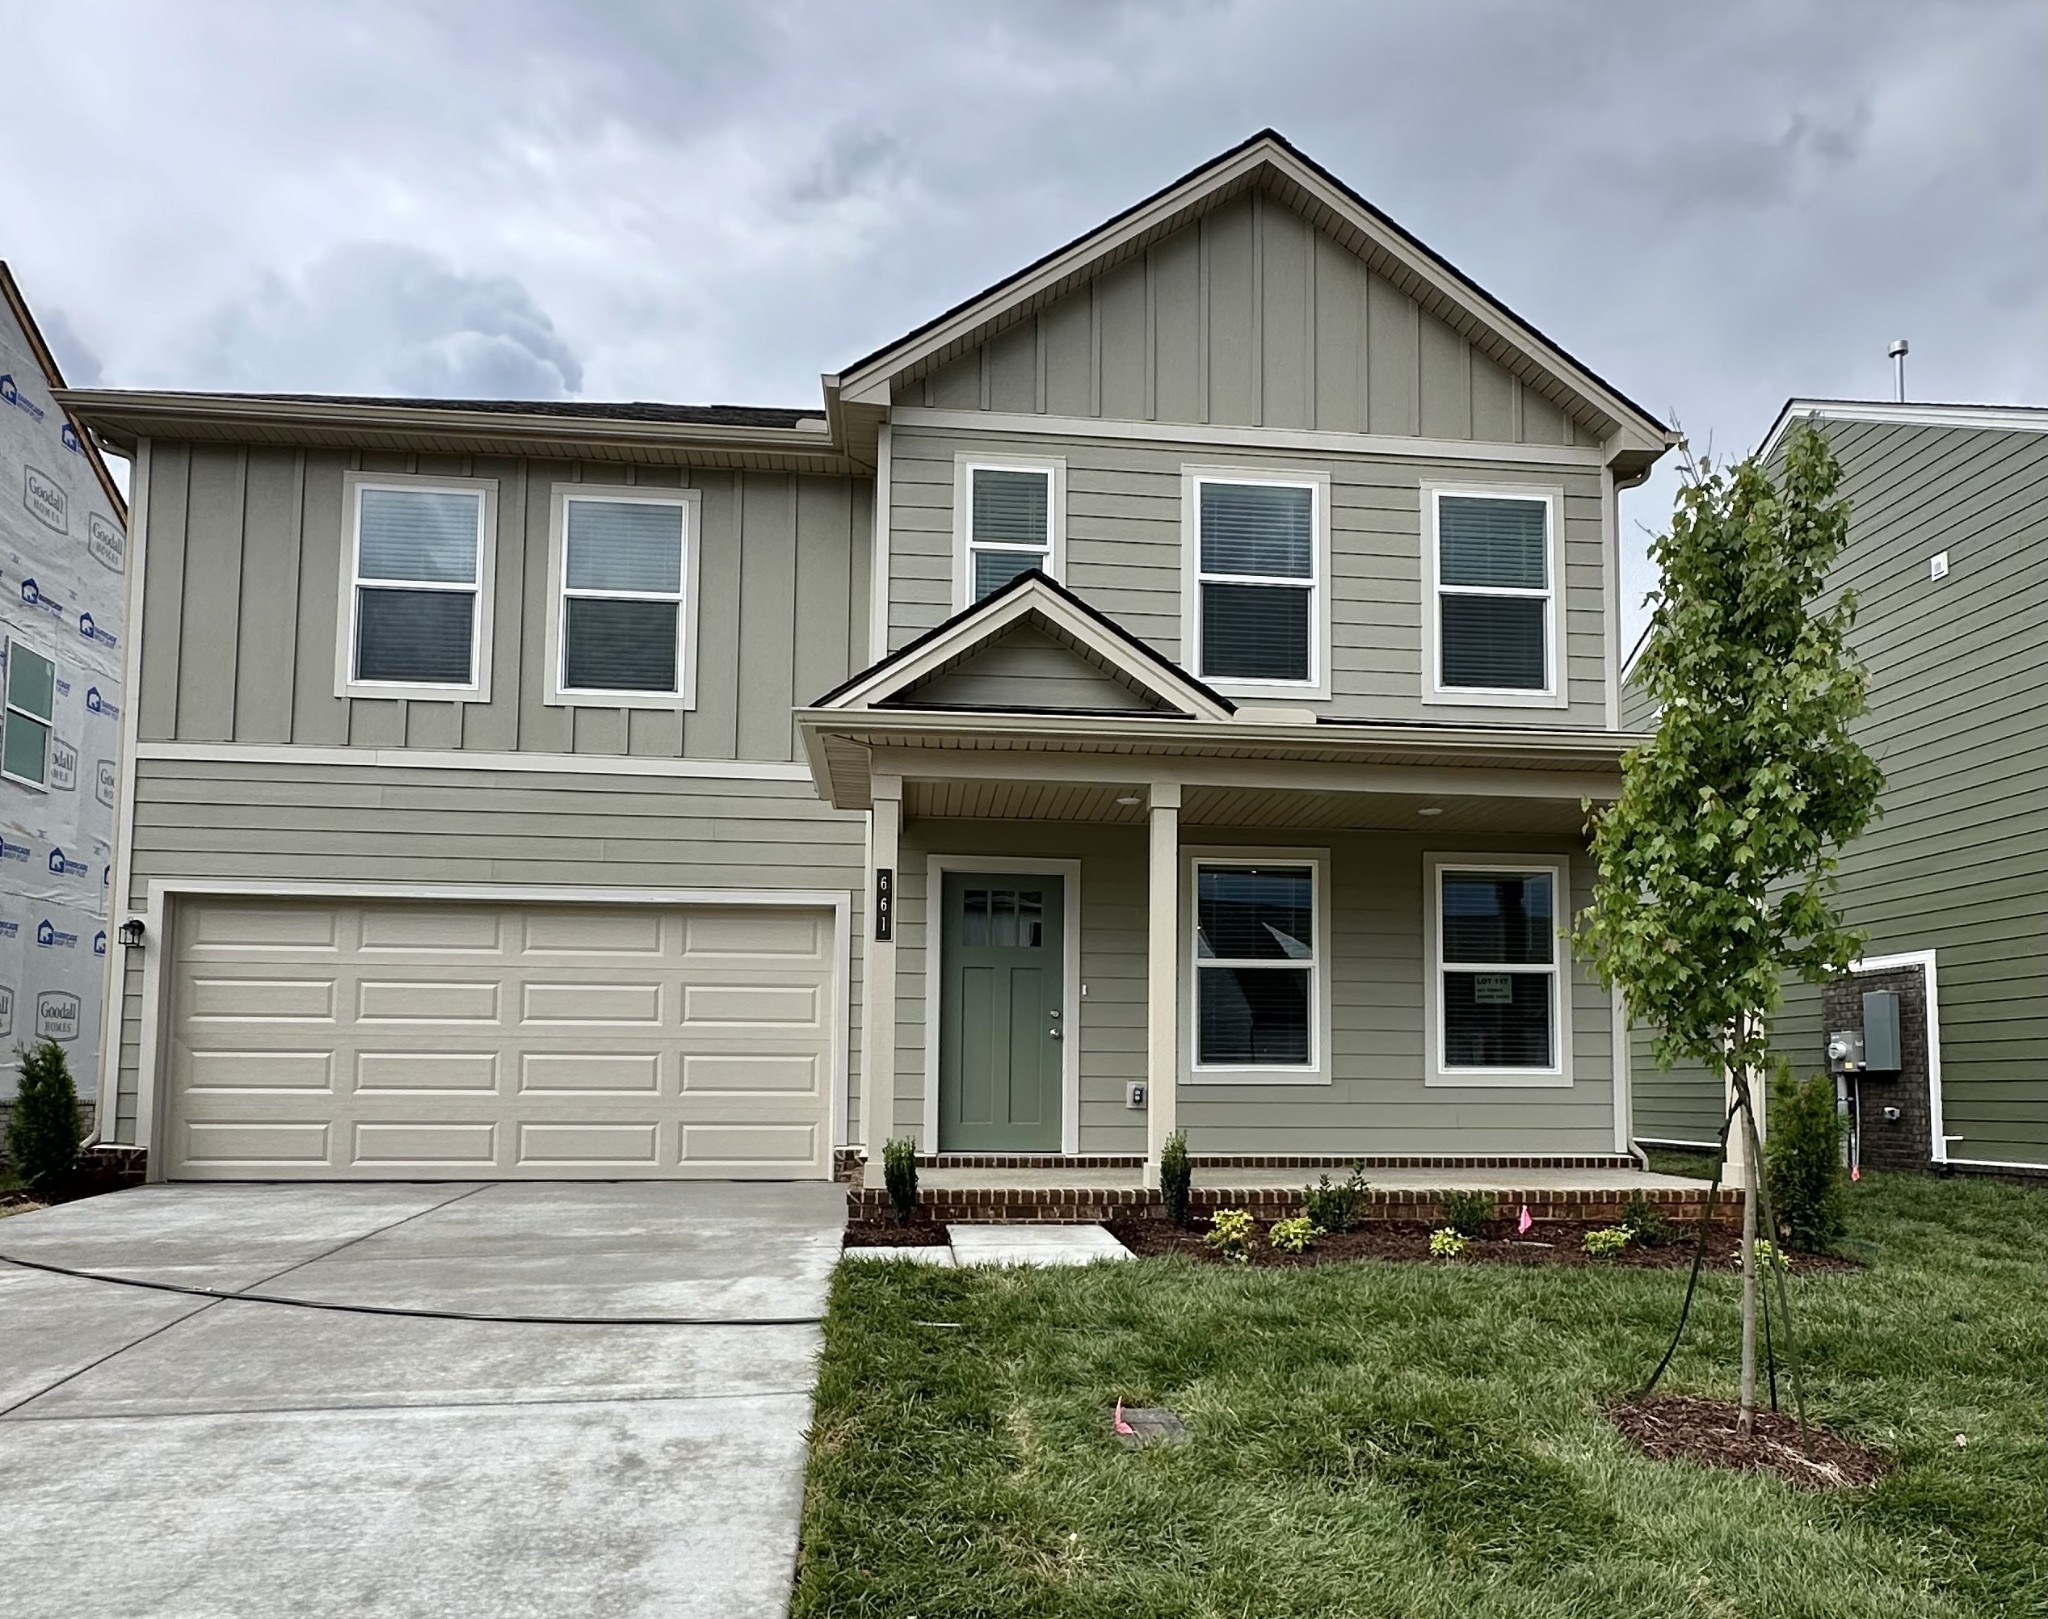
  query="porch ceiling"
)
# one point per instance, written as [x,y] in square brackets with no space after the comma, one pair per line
[1023,800]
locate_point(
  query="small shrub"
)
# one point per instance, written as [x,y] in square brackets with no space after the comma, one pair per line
[1467,1213]
[1295,1236]
[1608,1241]
[1446,1243]
[1646,1220]
[42,1135]
[1176,1177]
[1337,1208]
[899,1170]
[1230,1234]
[1803,1163]
[1768,1253]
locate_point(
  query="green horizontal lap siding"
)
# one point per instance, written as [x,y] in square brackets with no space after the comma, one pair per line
[243,607]
[1124,555]
[1958,862]
[325,823]
[1025,669]
[1377,1102]
[1249,317]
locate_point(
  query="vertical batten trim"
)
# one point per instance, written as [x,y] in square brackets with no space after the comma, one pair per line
[1610,593]
[1151,342]
[1258,343]
[1204,372]
[878,554]
[1311,322]
[1038,354]
[1095,347]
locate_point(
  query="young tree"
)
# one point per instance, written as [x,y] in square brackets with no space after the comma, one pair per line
[1717,863]
[42,1134]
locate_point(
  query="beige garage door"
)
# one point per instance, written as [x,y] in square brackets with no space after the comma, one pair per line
[338,1040]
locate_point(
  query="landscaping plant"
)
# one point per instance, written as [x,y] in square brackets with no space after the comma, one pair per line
[42,1135]
[1646,1220]
[1768,1255]
[1337,1208]
[1467,1213]
[1176,1177]
[1717,863]
[899,1171]
[1295,1236]
[1446,1243]
[1608,1241]
[1803,1163]
[1230,1234]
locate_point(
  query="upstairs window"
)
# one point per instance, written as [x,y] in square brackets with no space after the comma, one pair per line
[417,602]
[1010,523]
[1258,562]
[1495,622]
[31,705]
[1499,1000]
[624,566]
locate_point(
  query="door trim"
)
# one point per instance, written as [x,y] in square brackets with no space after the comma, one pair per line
[1069,872]
[160,918]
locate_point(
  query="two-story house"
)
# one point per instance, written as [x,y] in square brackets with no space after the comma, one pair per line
[1156,694]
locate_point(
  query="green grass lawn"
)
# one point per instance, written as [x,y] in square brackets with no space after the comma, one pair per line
[1376,1439]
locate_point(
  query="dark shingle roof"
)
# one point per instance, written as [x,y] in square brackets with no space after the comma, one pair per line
[636,410]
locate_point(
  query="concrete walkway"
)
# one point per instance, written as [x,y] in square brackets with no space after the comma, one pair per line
[165,1455]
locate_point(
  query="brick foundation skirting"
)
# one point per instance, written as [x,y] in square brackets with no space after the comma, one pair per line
[1088,1205]
[847,1162]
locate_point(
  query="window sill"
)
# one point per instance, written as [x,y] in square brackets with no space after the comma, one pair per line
[1497,1079]
[403,691]
[1255,1076]
[1458,697]
[659,702]
[1300,691]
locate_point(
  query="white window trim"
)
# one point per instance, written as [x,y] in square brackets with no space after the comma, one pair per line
[1554,693]
[1316,686]
[478,687]
[1559,1074]
[934,969]
[1317,1071]
[1053,469]
[47,721]
[558,695]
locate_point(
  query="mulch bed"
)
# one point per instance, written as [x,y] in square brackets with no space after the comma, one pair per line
[888,1234]
[1548,1242]
[1693,1428]
[20,1203]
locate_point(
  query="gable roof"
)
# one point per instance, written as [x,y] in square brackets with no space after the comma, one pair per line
[53,378]
[1269,160]
[1058,612]
[1901,413]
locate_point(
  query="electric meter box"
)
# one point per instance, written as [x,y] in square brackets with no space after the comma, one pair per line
[1881,1031]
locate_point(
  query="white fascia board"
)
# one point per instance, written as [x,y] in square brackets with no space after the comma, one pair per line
[566,764]
[1988,418]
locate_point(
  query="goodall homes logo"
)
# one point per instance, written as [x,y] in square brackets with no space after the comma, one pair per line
[41,494]
[105,543]
[11,395]
[63,765]
[57,1015]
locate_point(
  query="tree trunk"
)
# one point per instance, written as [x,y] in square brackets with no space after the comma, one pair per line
[1745,1422]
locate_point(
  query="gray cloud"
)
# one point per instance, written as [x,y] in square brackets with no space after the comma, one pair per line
[856,156]
[80,365]
[376,317]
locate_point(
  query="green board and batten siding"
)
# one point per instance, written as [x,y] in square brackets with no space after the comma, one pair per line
[243,608]
[1958,863]
[1250,317]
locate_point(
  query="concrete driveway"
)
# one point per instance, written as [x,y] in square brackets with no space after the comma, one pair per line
[165,1455]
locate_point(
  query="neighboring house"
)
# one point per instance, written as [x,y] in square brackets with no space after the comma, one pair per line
[63,598]
[1948,557]
[1156,694]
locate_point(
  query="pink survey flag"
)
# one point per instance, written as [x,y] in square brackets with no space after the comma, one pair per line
[1522,1225]
[1856,1172]
[1121,1425]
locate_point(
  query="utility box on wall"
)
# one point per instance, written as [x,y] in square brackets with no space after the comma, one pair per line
[1877,1049]
[1881,1031]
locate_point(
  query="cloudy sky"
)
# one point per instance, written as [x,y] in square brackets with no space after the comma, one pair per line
[1714,204]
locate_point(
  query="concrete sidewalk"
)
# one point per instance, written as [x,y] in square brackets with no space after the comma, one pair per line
[168,1455]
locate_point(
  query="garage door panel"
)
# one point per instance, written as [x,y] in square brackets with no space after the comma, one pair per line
[468,1041]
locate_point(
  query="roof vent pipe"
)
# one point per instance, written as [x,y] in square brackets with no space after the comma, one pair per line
[1898,353]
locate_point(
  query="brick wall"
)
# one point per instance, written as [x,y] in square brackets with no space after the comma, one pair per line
[1887,1143]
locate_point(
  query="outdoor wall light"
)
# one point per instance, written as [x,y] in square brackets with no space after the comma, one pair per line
[131,933]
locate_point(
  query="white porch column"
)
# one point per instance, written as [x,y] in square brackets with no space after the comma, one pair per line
[1162,976]
[878,986]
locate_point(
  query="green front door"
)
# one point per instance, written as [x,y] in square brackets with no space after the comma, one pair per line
[1000,1010]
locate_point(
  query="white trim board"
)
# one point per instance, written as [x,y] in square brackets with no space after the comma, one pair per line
[878,553]
[162,890]
[1925,961]
[555,693]
[1315,442]
[1988,418]
[1069,872]
[567,764]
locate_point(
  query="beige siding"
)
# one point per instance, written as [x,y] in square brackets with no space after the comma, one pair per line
[1377,1102]
[1249,317]
[243,608]
[1124,555]
[327,823]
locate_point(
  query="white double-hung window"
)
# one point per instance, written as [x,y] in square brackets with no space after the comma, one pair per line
[622,565]
[1497,977]
[1009,519]
[31,706]
[416,588]
[1491,620]
[1260,1011]
[1256,585]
